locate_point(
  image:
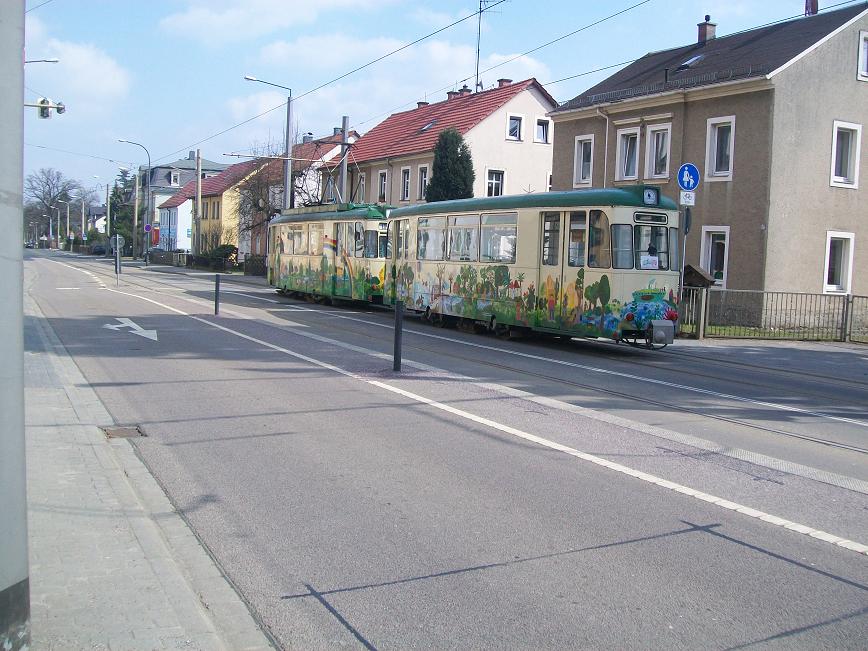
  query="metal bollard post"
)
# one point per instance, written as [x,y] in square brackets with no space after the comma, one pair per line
[399,322]
[216,293]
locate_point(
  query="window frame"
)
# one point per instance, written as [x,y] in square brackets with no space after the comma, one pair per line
[424,227]
[422,187]
[862,69]
[855,155]
[578,181]
[548,130]
[488,181]
[705,252]
[492,228]
[453,224]
[712,124]
[175,178]
[847,272]
[382,185]
[520,118]
[620,135]
[650,151]
[405,184]
[362,187]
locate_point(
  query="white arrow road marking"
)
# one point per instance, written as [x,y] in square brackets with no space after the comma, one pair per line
[134,328]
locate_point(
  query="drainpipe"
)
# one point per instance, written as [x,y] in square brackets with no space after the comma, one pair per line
[605,115]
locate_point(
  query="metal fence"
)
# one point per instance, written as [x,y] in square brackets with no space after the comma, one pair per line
[772,315]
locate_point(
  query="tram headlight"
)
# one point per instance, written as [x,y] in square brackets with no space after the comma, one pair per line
[630,316]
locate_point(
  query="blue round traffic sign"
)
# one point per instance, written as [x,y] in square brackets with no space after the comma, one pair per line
[688,177]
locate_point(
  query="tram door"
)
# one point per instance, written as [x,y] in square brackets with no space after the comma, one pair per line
[343,274]
[562,265]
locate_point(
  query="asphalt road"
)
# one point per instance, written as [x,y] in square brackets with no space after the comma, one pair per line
[494,494]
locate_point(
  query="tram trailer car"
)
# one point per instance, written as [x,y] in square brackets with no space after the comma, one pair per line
[329,252]
[581,263]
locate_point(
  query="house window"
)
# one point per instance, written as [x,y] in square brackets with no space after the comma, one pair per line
[495,183]
[405,184]
[381,187]
[628,154]
[423,181]
[542,131]
[330,190]
[846,147]
[720,140]
[175,179]
[513,130]
[714,252]
[205,210]
[863,56]
[657,151]
[839,262]
[583,162]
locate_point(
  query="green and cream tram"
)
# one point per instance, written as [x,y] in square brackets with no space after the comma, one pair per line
[329,252]
[584,263]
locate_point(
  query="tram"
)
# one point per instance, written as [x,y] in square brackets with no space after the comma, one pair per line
[581,263]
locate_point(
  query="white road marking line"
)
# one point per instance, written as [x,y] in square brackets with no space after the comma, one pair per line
[602,371]
[605,463]
[67,288]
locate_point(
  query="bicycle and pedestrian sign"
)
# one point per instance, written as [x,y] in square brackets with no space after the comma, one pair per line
[688,180]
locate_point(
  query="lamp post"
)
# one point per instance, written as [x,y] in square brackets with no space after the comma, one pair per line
[48,246]
[147,200]
[67,220]
[288,189]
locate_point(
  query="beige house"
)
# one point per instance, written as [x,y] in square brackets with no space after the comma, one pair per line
[506,127]
[773,119]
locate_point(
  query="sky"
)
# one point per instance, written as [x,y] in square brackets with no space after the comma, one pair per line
[169,74]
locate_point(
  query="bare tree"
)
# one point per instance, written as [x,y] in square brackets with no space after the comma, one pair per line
[46,186]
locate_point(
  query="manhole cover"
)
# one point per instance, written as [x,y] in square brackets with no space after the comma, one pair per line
[122,432]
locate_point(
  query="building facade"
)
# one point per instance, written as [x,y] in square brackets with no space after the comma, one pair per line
[773,119]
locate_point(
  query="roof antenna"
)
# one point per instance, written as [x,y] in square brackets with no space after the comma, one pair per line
[483,6]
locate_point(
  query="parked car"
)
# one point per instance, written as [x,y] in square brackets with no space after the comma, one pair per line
[30,245]
[98,249]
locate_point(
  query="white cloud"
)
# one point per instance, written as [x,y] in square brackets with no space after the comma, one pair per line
[86,78]
[330,51]
[220,21]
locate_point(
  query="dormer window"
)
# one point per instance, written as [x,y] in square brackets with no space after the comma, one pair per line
[174,178]
[690,62]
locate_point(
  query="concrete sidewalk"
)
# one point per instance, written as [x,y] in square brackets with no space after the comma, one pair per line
[113,566]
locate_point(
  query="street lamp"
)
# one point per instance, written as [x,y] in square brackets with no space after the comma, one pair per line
[42,60]
[147,200]
[48,246]
[288,189]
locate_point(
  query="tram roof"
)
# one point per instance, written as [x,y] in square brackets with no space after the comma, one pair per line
[627,196]
[345,211]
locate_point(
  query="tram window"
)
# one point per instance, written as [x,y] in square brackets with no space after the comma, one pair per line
[371,243]
[299,239]
[431,239]
[651,242]
[385,242]
[622,246]
[497,237]
[551,239]
[405,251]
[464,238]
[576,242]
[316,239]
[359,240]
[599,245]
[673,249]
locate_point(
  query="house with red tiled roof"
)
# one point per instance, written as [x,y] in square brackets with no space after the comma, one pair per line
[308,159]
[176,219]
[506,128]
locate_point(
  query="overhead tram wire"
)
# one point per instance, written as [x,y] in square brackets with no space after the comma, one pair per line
[75,153]
[321,86]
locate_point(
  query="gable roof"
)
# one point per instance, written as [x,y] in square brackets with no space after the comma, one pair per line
[305,153]
[416,131]
[180,196]
[220,183]
[753,53]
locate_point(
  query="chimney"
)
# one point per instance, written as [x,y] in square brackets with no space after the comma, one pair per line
[191,155]
[451,94]
[706,30]
[503,82]
[810,7]
[421,104]
[464,91]
[308,137]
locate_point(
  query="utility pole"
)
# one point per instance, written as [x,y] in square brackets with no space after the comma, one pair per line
[83,231]
[14,571]
[136,216]
[108,217]
[197,207]
[345,128]
[288,189]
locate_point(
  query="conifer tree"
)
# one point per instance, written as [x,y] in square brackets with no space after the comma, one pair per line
[452,173]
